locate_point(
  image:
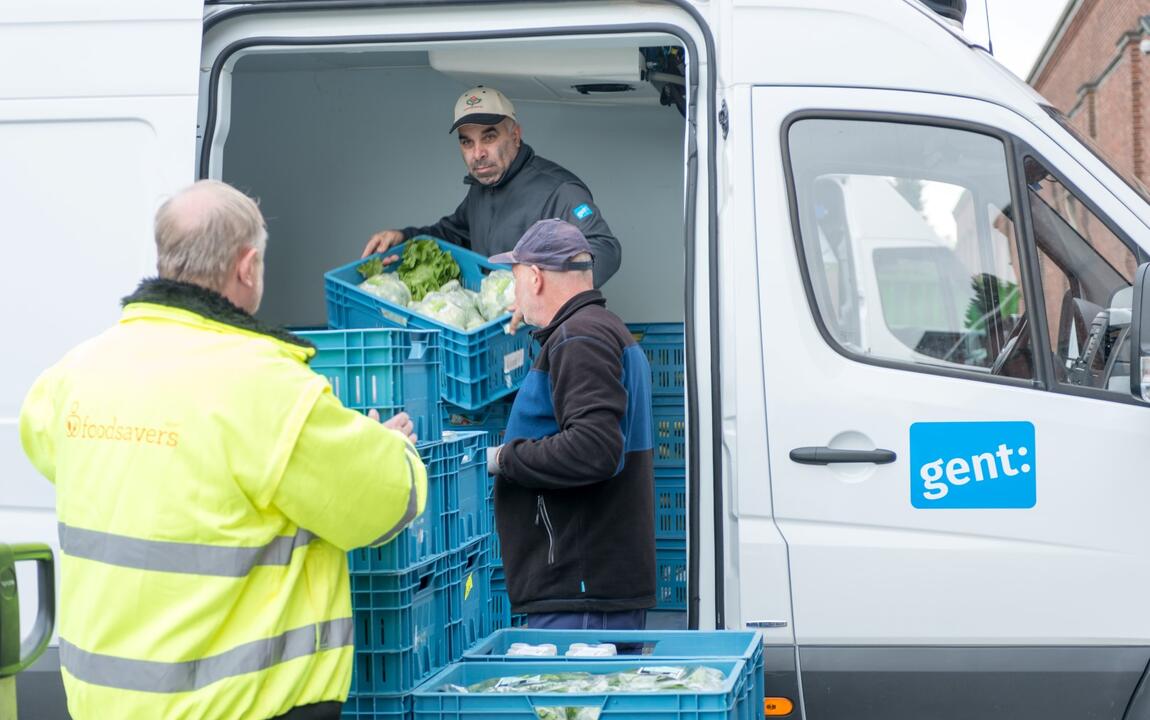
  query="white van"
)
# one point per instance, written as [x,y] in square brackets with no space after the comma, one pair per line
[915,451]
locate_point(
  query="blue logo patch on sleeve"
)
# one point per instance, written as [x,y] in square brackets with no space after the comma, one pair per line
[583,212]
[973,465]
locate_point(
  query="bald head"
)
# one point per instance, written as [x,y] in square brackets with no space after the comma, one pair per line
[204,231]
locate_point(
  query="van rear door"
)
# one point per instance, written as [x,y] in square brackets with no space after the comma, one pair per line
[97,124]
[955,460]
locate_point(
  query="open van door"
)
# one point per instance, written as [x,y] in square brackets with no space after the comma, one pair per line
[97,125]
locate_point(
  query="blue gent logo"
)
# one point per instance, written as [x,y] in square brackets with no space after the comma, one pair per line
[583,212]
[973,465]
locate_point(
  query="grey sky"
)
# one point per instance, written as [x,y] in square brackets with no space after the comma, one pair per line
[1018,28]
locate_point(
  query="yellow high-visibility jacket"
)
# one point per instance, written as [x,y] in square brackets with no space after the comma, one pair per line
[208,486]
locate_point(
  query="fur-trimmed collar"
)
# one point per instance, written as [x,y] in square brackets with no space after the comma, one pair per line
[207,303]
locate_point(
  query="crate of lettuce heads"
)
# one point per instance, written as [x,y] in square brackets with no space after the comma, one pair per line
[439,286]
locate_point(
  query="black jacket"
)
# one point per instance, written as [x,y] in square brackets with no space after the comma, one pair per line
[574,494]
[491,219]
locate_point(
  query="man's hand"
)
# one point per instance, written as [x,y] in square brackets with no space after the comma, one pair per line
[401,422]
[493,460]
[516,320]
[381,241]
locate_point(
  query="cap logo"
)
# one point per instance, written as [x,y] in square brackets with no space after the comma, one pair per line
[473,101]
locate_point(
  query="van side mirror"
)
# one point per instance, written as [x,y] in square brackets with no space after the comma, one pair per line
[1140,335]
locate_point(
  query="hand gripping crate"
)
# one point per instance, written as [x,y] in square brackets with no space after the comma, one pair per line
[731,701]
[400,627]
[426,536]
[385,370]
[479,365]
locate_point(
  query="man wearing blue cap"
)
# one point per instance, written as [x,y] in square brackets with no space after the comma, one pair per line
[509,187]
[575,477]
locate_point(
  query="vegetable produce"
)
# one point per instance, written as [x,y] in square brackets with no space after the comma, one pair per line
[389,287]
[371,268]
[645,679]
[426,267]
[496,293]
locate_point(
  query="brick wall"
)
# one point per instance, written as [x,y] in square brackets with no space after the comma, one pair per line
[1098,75]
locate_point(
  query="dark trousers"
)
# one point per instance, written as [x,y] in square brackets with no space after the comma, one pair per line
[318,711]
[622,620]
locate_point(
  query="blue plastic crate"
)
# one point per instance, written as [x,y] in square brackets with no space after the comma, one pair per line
[426,536]
[501,616]
[672,646]
[377,707]
[732,701]
[386,370]
[471,598]
[491,418]
[670,426]
[480,365]
[400,627]
[670,505]
[665,347]
[467,511]
[671,575]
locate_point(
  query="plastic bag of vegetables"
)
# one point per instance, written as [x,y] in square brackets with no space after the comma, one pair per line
[496,294]
[389,287]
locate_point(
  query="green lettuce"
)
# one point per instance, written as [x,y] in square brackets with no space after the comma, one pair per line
[426,267]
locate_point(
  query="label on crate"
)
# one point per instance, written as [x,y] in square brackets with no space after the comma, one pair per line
[665,671]
[394,317]
[467,587]
[512,361]
[517,682]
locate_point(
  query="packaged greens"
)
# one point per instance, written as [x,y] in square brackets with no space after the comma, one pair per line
[389,287]
[496,293]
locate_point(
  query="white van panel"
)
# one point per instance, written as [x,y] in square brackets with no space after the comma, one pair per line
[866,567]
[97,126]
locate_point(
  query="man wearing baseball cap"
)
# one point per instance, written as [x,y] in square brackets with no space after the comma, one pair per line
[509,187]
[574,479]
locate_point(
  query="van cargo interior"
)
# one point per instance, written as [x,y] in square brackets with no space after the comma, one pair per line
[338,142]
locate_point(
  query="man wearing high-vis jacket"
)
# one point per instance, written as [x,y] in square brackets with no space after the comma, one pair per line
[208,486]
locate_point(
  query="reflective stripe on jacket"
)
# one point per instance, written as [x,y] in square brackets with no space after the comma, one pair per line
[208,487]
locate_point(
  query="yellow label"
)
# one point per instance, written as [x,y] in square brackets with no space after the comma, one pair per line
[467,586]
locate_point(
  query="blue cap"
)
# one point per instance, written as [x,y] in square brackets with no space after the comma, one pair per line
[549,244]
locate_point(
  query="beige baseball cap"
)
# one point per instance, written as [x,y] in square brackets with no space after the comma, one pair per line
[482,106]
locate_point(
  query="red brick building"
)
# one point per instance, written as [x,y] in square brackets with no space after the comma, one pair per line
[1095,68]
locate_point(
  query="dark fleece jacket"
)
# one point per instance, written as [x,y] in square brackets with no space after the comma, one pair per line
[574,495]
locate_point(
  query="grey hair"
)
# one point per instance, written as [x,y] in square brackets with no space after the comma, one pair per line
[202,229]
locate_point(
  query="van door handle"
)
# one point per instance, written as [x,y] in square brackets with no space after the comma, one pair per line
[825,456]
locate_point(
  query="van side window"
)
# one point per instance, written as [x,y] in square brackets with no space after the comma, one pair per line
[1087,273]
[910,245]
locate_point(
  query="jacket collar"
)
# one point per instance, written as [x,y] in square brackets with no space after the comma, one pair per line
[521,158]
[572,306]
[208,304]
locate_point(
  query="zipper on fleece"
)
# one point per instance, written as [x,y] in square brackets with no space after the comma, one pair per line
[541,513]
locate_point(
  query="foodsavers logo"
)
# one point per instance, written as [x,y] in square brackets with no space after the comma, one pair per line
[973,465]
[83,427]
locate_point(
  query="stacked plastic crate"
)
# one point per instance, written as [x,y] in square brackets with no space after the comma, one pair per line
[664,346]
[424,598]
